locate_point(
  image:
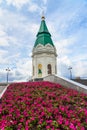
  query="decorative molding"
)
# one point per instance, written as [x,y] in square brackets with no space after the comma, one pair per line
[40,49]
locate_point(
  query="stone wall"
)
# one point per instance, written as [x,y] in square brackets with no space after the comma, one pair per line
[66,83]
[2,90]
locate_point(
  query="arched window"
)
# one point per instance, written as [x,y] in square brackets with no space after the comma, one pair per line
[49,69]
[39,70]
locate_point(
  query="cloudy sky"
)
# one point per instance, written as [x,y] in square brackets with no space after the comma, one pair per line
[19,24]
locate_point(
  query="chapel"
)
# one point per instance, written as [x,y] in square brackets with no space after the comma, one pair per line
[44,56]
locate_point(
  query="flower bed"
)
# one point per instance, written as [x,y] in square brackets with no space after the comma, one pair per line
[42,106]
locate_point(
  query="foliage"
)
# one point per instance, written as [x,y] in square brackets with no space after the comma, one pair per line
[42,106]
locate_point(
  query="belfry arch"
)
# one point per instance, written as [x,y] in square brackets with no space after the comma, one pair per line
[49,69]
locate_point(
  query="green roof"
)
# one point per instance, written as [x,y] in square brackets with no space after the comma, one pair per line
[43,35]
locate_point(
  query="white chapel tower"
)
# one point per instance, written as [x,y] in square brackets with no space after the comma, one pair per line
[44,56]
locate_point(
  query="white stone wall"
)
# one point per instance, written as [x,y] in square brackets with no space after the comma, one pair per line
[66,83]
[43,55]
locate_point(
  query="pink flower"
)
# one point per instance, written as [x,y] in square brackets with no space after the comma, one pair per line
[42,104]
[47,127]
[27,128]
[66,122]
[82,128]
[32,118]
[72,126]
[49,121]
[42,113]
[40,121]
[86,112]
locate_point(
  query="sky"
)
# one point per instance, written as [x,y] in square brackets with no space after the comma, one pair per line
[19,23]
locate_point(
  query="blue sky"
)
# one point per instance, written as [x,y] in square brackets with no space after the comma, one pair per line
[19,24]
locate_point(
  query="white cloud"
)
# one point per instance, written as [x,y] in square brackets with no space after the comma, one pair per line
[20,73]
[3,36]
[4,41]
[33,7]
[63,63]
[11,19]
[2,33]
[62,46]
[1,1]
[3,57]
[80,69]
[69,47]
[18,27]
[24,69]
[17,3]
[31,28]
[65,60]
[3,60]
[36,7]
[3,52]
[80,57]
[45,1]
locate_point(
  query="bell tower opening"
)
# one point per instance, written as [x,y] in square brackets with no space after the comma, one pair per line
[49,69]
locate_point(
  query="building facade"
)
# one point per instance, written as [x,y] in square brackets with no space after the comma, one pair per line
[44,56]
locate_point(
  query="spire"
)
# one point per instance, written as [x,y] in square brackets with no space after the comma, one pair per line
[43,17]
[43,35]
[43,28]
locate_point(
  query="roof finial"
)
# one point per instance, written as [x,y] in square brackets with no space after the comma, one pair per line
[43,17]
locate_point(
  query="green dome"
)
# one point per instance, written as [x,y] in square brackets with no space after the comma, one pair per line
[43,35]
